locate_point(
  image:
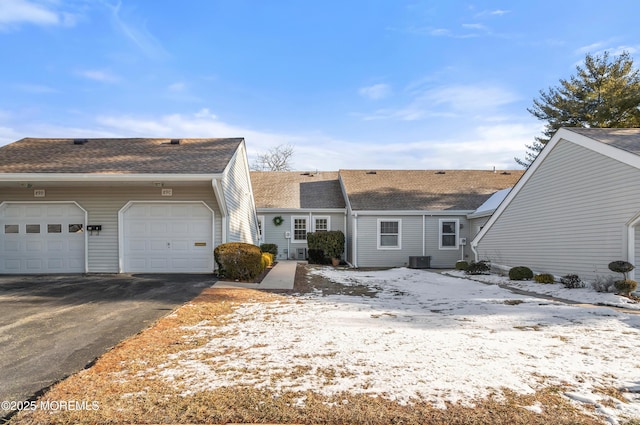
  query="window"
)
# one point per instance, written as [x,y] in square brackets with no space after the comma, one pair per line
[11,228]
[389,234]
[54,228]
[449,234]
[320,224]
[33,228]
[299,229]
[76,228]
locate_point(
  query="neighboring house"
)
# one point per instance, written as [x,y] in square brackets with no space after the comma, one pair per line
[122,205]
[301,202]
[396,214]
[576,209]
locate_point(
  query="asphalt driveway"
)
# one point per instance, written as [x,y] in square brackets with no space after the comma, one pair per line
[53,326]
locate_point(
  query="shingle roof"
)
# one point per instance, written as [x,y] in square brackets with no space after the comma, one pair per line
[627,139]
[417,190]
[118,156]
[296,189]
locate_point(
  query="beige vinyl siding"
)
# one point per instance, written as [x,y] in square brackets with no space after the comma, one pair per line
[103,203]
[276,234]
[242,224]
[569,217]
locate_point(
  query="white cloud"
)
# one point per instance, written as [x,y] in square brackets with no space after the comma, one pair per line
[13,13]
[481,147]
[449,102]
[137,33]
[177,87]
[99,75]
[376,91]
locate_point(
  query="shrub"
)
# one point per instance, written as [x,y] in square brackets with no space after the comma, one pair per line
[267,260]
[603,284]
[331,242]
[520,273]
[316,256]
[461,265]
[572,281]
[481,267]
[623,267]
[626,286]
[544,278]
[270,247]
[237,260]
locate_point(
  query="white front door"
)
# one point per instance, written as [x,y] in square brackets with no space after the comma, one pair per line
[167,237]
[42,238]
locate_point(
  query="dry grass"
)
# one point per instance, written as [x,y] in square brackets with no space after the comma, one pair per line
[126,394]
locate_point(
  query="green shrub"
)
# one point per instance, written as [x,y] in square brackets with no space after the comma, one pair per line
[316,256]
[623,267]
[481,267]
[520,273]
[270,247]
[267,260]
[572,281]
[461,265]
[544,278]
[332,242]
[237,260]
[626,286]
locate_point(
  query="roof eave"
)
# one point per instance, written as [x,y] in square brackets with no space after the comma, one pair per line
[412,212]
[115,177]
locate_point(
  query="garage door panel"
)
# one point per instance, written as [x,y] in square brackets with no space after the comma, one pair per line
[37,239]
[169,238]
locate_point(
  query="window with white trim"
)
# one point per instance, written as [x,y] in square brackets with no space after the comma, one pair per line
[299,229]
[389,234]
[448,234]
[321,224]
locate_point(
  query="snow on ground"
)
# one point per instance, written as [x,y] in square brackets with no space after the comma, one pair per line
[581,295]
[424,335]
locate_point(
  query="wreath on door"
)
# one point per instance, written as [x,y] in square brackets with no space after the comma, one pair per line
[278,220]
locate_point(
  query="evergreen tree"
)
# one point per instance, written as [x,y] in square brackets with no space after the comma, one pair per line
[604,93]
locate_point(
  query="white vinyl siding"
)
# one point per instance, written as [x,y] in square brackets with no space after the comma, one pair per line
[389,234]
[569,217]
[448,234]
[102,204]
[242,221]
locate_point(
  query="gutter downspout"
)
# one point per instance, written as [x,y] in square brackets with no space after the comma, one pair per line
[424,241]
[355,239]
[217,189]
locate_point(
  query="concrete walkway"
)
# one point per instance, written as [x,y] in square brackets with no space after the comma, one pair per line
[281,276]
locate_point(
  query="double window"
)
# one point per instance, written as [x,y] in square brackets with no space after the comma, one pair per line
[389,234]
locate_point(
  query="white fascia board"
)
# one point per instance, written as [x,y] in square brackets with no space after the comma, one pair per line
[344,192]
[569,136]
[115,177]
[480,214]
[300,210]
[413,212]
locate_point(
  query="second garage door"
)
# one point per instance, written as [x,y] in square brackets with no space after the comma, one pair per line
[167,238]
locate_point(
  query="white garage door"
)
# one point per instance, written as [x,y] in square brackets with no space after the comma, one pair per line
[167,238]
[42,238]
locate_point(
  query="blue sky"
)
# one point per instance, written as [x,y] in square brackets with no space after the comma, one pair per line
[351,84]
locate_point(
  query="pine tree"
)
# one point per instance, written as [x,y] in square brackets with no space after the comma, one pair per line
[604,93]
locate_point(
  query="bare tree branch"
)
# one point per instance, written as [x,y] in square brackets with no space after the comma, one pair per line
[276,159]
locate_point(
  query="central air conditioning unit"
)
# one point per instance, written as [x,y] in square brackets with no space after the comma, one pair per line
[420,262]
[301,253]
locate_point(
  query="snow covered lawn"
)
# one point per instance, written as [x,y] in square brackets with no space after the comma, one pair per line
[420,335]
